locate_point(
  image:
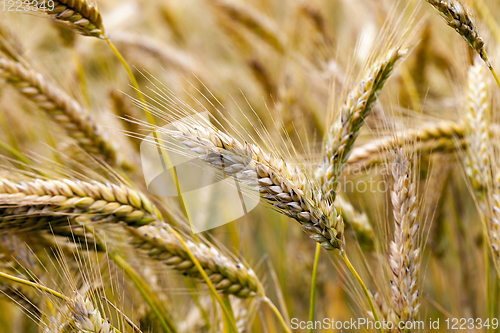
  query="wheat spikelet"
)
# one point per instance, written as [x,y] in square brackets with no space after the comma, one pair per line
[457,16]
[79,15]
[261,25]
[351,117]
[38,203]
[74,118]
[404,254]
[280,184]
[476,119]
[444,136]
[226,275]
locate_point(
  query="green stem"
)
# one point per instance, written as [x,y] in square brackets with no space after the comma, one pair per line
[362,284]
[488,285]
[227,313]
[277,313]
[146,292]
[313,285]
[490,67]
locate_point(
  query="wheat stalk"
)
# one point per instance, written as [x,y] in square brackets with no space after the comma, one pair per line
[226,275]
[405,253]
[476,120]
[79,15]
[356,108]
[280,184]
[74,118]
[444,136]
[36,203]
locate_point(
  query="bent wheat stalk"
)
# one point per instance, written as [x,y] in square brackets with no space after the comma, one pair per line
[37,203]
[74,118]
[345,129]
[226,275]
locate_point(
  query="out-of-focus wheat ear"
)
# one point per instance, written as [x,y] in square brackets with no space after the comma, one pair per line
[228,276]
[255,21]
[440,137]
[80,15]
[404,256]
[476,120]
[65,111]
[358,221]
[493,221]
[10,45]
[40,204]
[350,118]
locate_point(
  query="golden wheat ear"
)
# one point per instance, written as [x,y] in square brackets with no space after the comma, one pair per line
[404,256]
[76,120]
[79,15]
[346,127]
[227,276]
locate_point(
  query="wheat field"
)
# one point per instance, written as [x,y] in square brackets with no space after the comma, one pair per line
[249,166]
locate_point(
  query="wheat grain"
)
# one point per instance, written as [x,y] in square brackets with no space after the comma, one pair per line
[280,184]
[41,203]
[74,118]
[79,15]
[226,275]
[356,108]
[404,257]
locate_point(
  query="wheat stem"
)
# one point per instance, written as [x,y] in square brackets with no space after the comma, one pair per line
[363,286]
[314,279]
[278,314]
[205,277]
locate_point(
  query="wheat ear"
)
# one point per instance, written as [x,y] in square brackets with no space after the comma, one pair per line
[404,255]
[476,120]
[356,108]
[458,16]
[79,15]
[258,23]
[10,45]
[226,275]
[69,114]
[358,221]
[444,136]
[37,203]
[279,184]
